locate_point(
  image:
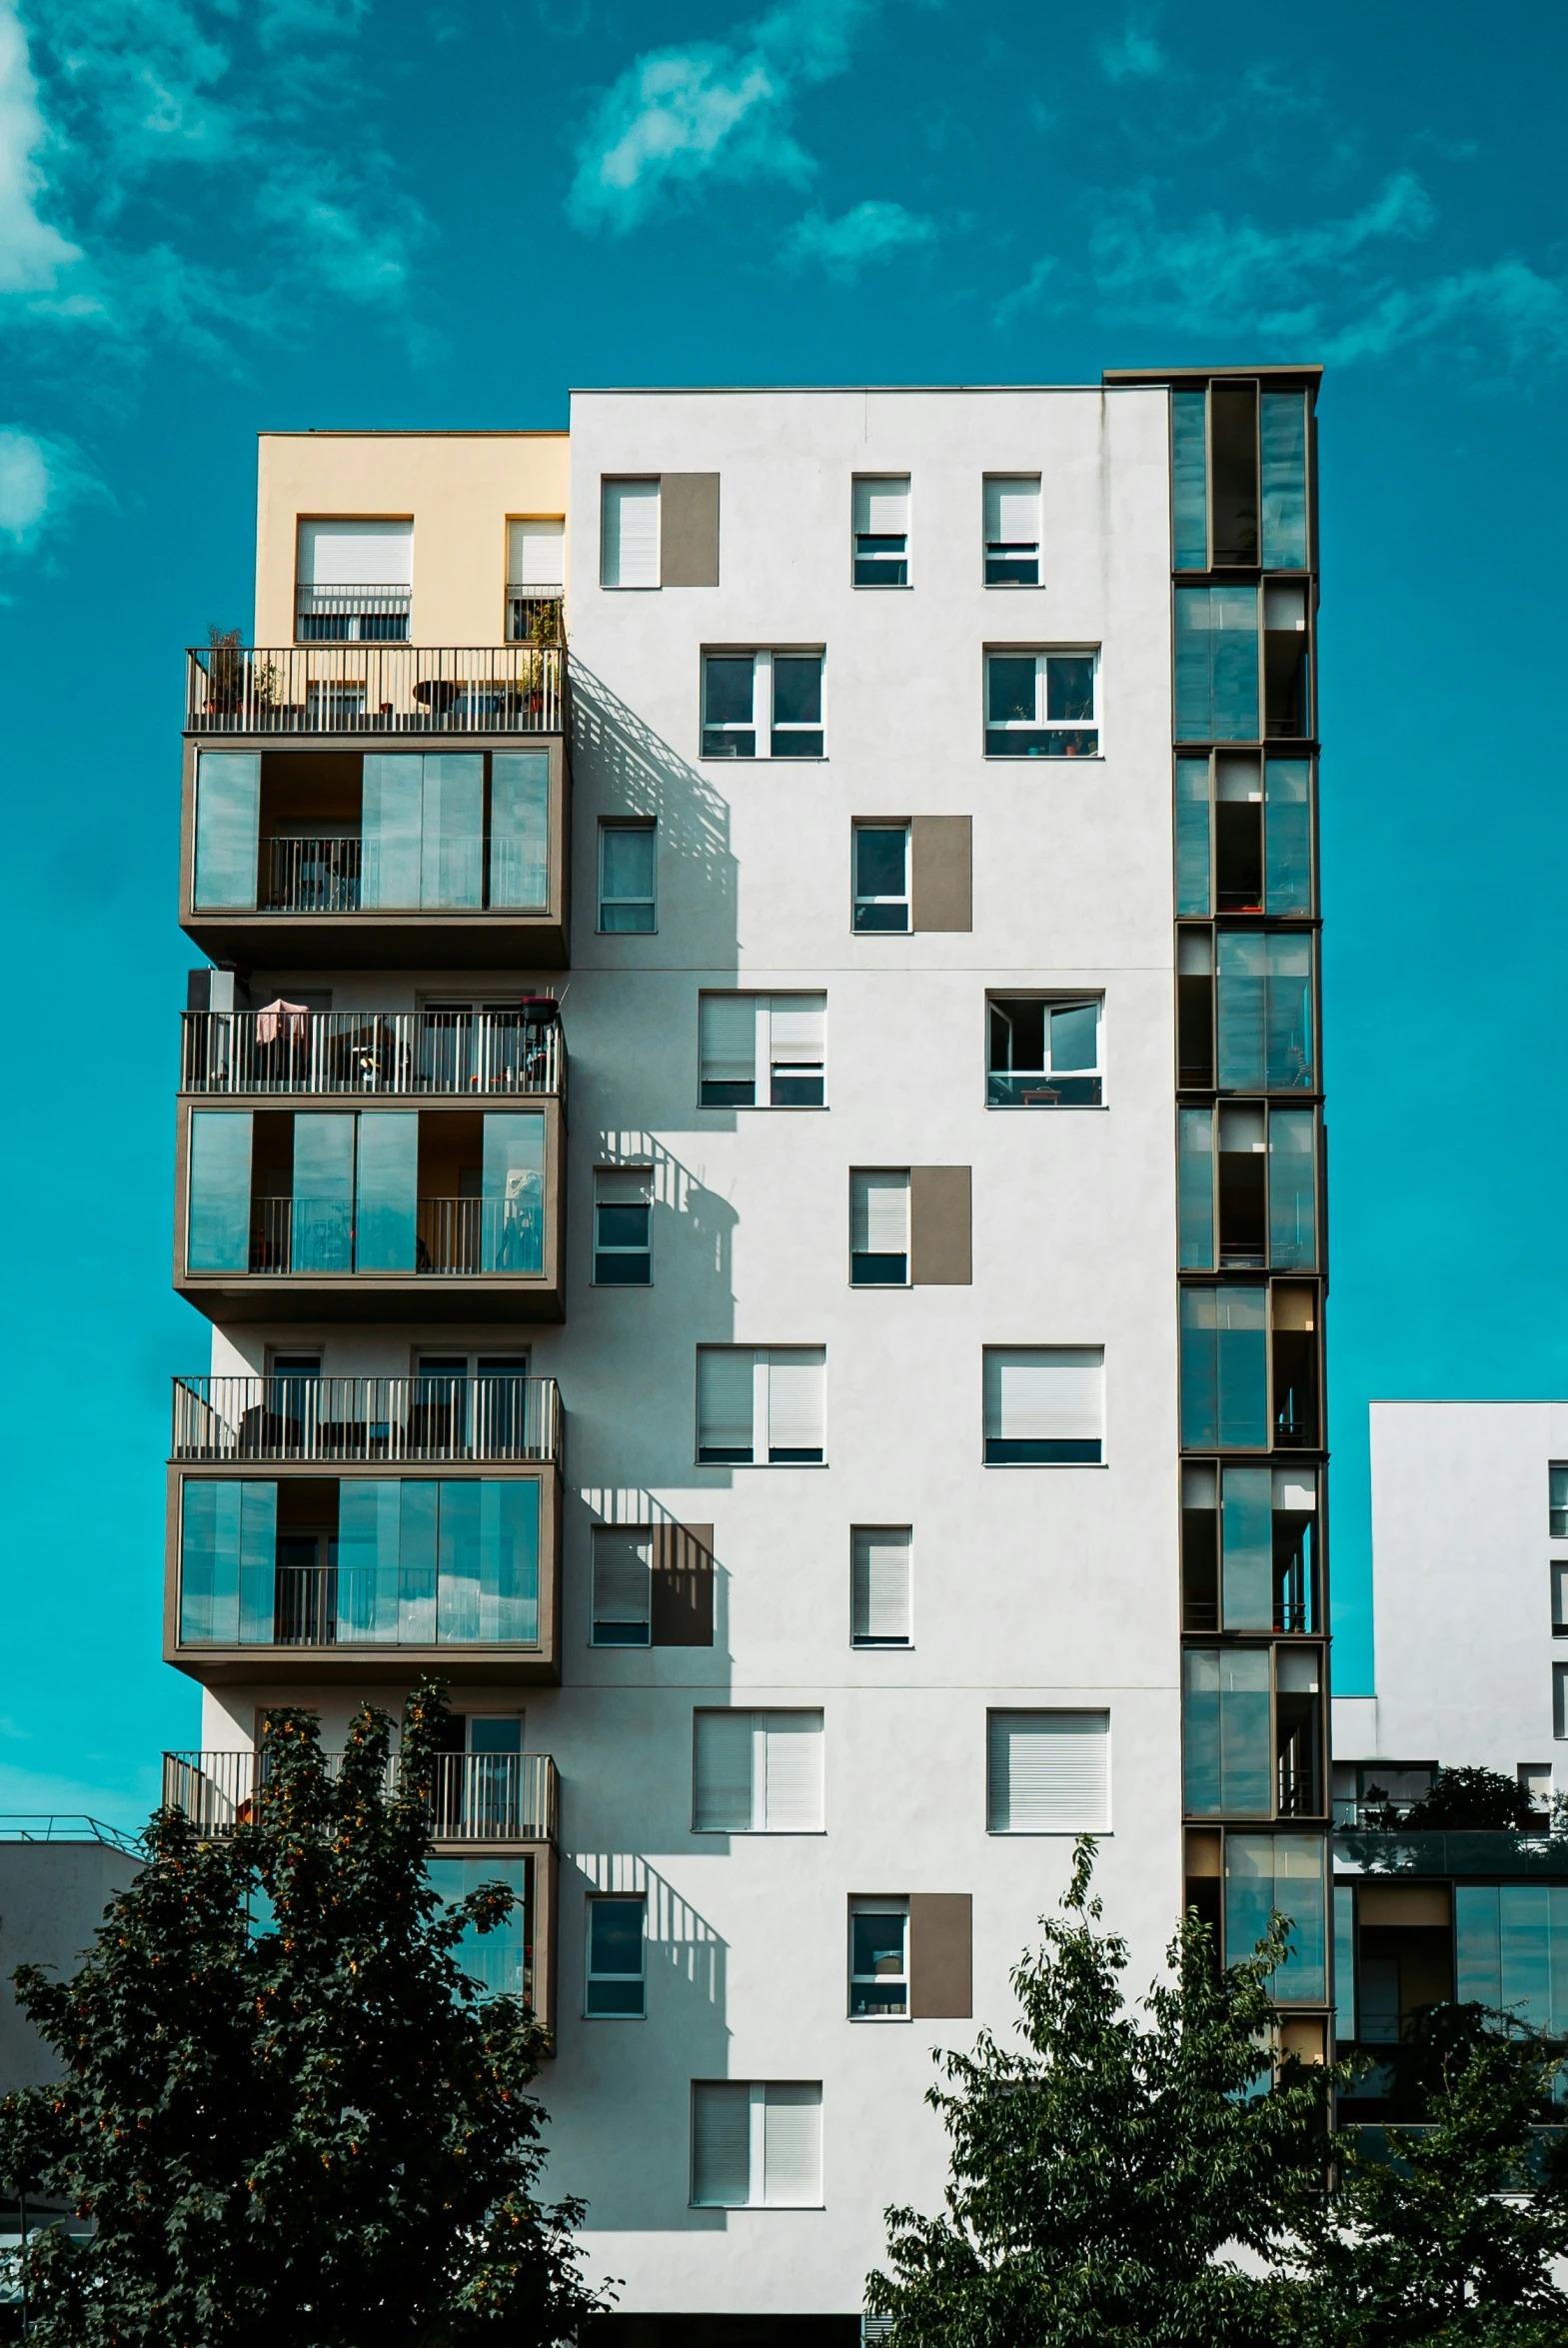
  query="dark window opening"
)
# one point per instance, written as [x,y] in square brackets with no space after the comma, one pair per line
[1233,468]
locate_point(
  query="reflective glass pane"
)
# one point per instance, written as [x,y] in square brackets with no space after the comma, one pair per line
[1282,433]
[416,1561]
[228,805]
[1292,1189]
[1074,1038]
[389,848]
[368,1595]
[726,690]
[1265,1872]
[1069,687]
[627,860]
[1287,829]
[323,1199]
[514,1192]
[498,1960]
[520,829]
[1195,1169]
[880,861]
[1217,664]
[218,1220]
[1192,837]
[797,689]
[1247,1549]
[1189,479]
[1009,687]
[1224,1369]
[1265,1011]
[1478,1966]
[388,1191]
[452,830]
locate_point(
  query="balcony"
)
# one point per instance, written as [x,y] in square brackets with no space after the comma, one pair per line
[373,1213]
[382,1053]
[434,1419]
[318,1549]
[366,686]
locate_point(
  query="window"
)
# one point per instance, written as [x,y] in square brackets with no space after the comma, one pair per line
[1243,834]
[774,695]
[1044,1406]
[1560,1601]
[616,1964]
[622,1214]
[536,575]
[354,582]
[626,877]
[879,1960]
[757,1772]
[228,824]
[1244,1754]
[882,876]
[622,1586]
[500,1961]
[1558,1519]
[880,1586]
[1247,1352]
[1041,705]
[784,1035]
[1250,441]
[1012,530]
[1511,1952]
[1560,1700]
[1248,1540]
[1248,1188]
[1046,1773]
[1263,1012]
[1265,1872]
[881,532]
[879,1228]
[761,1405]
[756,2145]
[629,535]
[1043,1052]
[1217,663]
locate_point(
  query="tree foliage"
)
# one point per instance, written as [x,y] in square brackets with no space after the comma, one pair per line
[292,2118]
[1103,2177]
[1471,1800]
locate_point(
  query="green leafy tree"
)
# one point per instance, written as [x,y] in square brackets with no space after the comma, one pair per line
[1445,2237]
[290,2114]
[1098,2176]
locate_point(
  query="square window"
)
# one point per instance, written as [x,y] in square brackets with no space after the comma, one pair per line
[1044,1406]
[626,877]
[757,1405]
[879,1228]
[757,1772]
[757,2144]
[880,1558]
[1046,1773]
[1043,1052]
[729,705]
[881,878]
[879,1960]
[783,1034]
[622,1586]
[616,1983]
[1559,1502]
[797,730]
[1041,705]
[881,532]
[1012,530]
[622,1220]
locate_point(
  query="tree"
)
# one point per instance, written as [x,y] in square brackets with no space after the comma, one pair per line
[1445,2238]
[1469,1800]
[290,2114]
[1097,2177]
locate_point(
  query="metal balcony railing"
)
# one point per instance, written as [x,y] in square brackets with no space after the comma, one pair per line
[360,687]
[452,1237]
[475,1797]
[375,1052]
[533,615]
[498,1416]
[311,876]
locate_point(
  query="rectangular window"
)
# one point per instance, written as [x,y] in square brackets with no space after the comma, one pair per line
[729,705]
[784,1035]
[1264,1872]
[1012,530]
[1041,705]
[757,1404]
[520,829]
[777,696]
[1217,663]
[1044,1406]
[1560,1601]
[756,2145]
[622,1586]
[796,728]
[1043,1052]
[879,1228]
[1248,1538]
[228,826]
[1557,1519]
[1243,834]
[1560,1700]
[500,1961]
[757,1772]
[626,878]
[353,582]
[882,876]
[218,1213]
[1250,1201]
[1224,1369]
[622,1220]
[1047,1773]
[1511,1952]
[881,532]
[881,1559]
[616,1940]
[1282,433]
[1227,1732]
[1263,1012]
[879,1960]
[1287,711]
[629,535]
[1189,479]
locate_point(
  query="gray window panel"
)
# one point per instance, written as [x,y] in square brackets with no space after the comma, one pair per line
[1264,1872]
[1282,433]
[1227,1744]
[1287,828]
[1224,1369]
[1217,663]
[228,815]
[1263,1017]
[1190,479]
[1192,837]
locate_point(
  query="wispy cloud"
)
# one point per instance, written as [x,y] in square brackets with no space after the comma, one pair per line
[873,231]
[708,109]
[40,478]
[1134,54]
[32,252]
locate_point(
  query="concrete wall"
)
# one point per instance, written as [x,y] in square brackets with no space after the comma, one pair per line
[52,1899]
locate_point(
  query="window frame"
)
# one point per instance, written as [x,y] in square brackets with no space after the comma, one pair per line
[1559,1591]
[600,1249]
[858,827]
[1037,1712]
[1003,550]
[905,1278]
[1042,722]
[869,1644]
[606,1534]
[763,729]
[1057,1347]
[879,1904]
[1557,1510]
[879,543]
[756,2091]
[606,825]
[625,1899]
[762,1059]
[996,997]
[606,482]
[761,1419]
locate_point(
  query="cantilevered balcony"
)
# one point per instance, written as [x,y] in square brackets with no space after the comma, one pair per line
[382,1053]
[433,1419]
[364,687]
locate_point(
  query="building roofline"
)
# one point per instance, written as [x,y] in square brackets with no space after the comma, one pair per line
[414,432]
[1124,376]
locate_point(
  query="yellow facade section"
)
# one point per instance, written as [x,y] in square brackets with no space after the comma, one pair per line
[460,489]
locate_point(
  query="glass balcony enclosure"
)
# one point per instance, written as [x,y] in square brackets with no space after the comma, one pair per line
[1252,1731]
[1250,1367]
[1246,1011]
[1248,1188]
[1249,1542]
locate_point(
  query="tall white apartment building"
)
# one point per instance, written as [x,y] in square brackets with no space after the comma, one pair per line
[866,1430]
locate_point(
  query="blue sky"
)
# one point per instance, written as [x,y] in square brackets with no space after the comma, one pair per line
[342,212]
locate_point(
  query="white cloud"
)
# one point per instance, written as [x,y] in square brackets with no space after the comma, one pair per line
[722,109]
[873,231]
[32,253]
[1134,55]
[39,479]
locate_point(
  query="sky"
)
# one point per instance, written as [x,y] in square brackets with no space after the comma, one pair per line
[281,213]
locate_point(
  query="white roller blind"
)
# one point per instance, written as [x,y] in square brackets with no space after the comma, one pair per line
[1047,1771]
[623,1185]
[879,1213]
[1044,1393]
[535,554]
[879,1602]
[356,554]
[722,2143]
[881,507]
[722,1772]
[724,1410]
[623,1569]
[792,2144]
[788,1759]
[794,1398]
[798,1027]
[1012,510]
[727,1028]
[629,543]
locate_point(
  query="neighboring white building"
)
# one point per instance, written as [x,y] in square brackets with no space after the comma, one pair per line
[922,1457]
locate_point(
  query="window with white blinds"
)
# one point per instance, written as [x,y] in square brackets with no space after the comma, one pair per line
[881,530]
[628,534]
[757,1772]
[760,1406]
[622,1586]
[880,1228]
[880,1560]
[757,2144]
[797,1047]
[356,554]
[1012,530]
[535,554]
[1046,1773]
[783,1035]
[1044,1406]
[727,1049]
